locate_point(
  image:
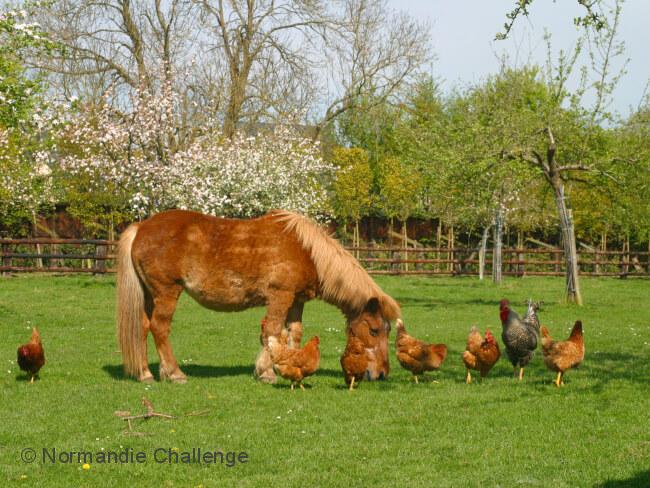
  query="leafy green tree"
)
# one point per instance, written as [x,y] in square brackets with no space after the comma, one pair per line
[352,186]
[17,90]
[593,16]
[25,185]
[399,184]
[485,119]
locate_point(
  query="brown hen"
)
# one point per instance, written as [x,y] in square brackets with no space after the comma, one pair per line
[355,361]
[31,356]
[480,354]
[417,356]
[560,356]
[294,364]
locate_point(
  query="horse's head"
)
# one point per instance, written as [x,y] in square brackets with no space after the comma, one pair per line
[372,328]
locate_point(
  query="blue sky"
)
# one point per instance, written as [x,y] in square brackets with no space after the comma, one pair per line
[463,32]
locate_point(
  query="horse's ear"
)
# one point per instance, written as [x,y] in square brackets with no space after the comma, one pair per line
[372,306]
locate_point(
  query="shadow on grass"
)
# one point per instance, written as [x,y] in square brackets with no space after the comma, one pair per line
[604,367]
[26,378]
[594,375]
[193,370]
[205,371]
[437,302]
[642,478]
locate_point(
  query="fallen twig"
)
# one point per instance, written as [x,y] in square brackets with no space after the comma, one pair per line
[151,412]
[198,413]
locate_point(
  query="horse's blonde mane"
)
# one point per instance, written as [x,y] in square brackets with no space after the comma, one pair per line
[343,282]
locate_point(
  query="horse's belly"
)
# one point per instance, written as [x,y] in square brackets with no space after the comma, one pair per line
[227,294]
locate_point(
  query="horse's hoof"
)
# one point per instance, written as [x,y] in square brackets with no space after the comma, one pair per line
[178,379]
[146,378]
[267,378]
[177,376]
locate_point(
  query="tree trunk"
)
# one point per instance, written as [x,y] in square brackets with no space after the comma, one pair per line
[438,243]
[450,246]
[111,228]
[553,174]
[481,253]
[497,275]
[625,257]
[355,238]
[235,102]
[598,254]
[405,243]
[521,268]
[39,260]
[573,294]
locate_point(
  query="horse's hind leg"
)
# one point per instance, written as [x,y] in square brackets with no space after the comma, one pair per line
[161,320]
[145,375]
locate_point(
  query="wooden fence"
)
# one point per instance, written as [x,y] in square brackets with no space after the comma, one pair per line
[516,262]
[57,255]
[98,257]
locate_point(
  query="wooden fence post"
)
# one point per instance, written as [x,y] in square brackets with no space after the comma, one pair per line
[625,259]
[101,251]
[396,264]
[419,266]
[6,261]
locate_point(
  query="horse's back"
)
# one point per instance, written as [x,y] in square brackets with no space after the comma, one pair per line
[223,263]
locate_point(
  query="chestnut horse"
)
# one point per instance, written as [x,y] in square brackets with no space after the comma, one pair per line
[280,260]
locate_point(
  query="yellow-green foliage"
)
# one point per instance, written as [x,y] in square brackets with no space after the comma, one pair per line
[399,186]
[353,181]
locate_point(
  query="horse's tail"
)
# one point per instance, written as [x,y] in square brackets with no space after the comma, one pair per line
[130,305]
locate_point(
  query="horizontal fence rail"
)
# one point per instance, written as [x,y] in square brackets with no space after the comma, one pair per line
[50,255]
[98,256]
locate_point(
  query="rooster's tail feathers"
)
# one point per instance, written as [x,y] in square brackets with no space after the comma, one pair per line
[577,329]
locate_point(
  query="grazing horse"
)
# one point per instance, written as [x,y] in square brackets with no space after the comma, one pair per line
[279,260]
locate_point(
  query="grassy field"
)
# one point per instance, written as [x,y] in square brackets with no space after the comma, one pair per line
[595,431]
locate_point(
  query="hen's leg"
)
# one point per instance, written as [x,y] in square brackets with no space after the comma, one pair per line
[468,378]
[416,380]
[32,380]
[352,384]
[558,380]
[521,374]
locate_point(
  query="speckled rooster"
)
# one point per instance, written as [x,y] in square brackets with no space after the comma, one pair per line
[520,336]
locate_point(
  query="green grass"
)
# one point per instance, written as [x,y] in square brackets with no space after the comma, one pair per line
[592,432]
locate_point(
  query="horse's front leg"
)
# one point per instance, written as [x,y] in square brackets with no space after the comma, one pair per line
[294,324]
[277,310]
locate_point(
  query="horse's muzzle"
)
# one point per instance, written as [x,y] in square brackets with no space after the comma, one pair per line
[370,376]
